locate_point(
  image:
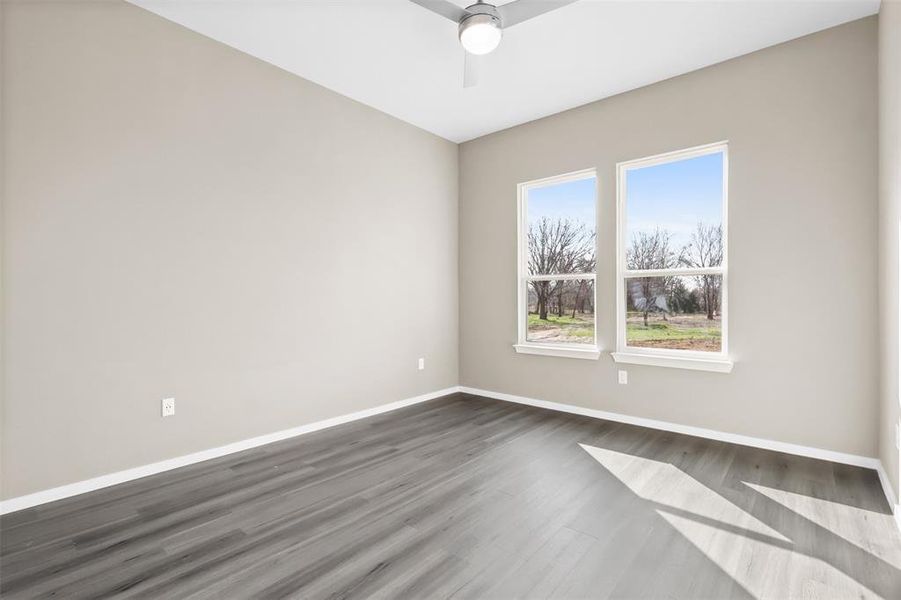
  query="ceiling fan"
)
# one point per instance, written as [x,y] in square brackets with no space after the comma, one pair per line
[481,25]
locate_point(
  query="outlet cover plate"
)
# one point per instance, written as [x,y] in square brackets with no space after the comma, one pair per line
[168,407]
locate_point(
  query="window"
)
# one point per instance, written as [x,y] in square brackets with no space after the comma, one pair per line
[671,260]
[557,249]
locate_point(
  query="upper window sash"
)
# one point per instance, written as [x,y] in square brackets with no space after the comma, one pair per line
[623,241]
[523,189]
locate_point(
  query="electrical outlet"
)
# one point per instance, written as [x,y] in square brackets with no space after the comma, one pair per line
[168,406]
[622,377]
[422,364]
[898,436]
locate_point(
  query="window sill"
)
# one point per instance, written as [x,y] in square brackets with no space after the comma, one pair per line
[588,353]
[716,365]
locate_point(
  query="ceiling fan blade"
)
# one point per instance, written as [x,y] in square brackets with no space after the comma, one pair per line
[472,65]
[445,8]
[518,11]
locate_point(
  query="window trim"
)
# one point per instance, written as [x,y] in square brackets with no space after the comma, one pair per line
[522,346]
[684,359]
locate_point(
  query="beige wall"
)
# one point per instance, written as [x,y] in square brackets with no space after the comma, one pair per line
[183,219]
[801,121]
[889,224]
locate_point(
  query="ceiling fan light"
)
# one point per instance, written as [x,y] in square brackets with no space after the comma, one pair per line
[480,34]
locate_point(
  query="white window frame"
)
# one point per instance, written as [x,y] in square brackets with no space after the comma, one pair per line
[661,357]
[585,351]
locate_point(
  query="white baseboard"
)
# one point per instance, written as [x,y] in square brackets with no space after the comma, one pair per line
[96,483]
[734,438]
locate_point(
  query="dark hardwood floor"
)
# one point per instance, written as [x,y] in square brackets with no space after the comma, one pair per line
[472,498]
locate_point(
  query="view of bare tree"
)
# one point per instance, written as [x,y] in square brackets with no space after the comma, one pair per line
[650,250]
[705,249]
[559,246]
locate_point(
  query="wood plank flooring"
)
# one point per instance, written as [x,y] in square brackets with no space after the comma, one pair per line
[466,497]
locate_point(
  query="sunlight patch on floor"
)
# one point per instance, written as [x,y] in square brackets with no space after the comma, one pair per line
[664,483]
[857,526]
[767,570]
[762,560]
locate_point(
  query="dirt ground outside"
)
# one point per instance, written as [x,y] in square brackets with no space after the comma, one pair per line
[676,332]
[562,330]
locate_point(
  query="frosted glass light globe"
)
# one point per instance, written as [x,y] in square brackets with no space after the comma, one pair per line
[480,34]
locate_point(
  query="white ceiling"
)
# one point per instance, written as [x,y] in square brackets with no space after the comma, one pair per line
[406,61]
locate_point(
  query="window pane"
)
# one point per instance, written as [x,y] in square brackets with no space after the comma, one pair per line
[561,227]
[681,313]
[561,312]
[674,214]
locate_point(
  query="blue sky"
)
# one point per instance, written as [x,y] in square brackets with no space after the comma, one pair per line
[571,200]
[675,196]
